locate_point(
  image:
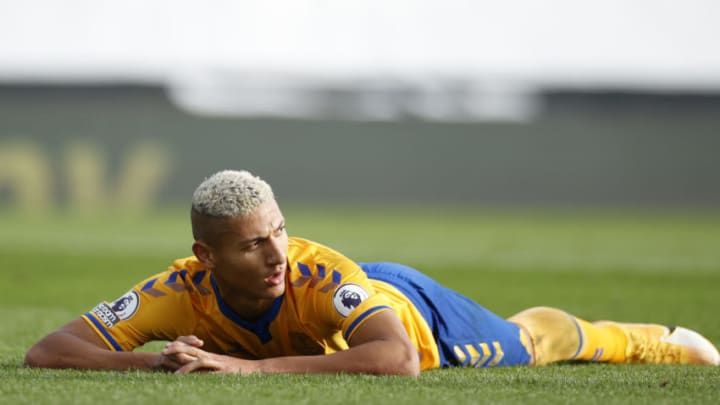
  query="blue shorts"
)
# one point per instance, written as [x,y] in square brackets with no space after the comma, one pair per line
[467,334]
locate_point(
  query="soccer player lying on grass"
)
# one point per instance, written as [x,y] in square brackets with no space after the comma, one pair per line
[253,300]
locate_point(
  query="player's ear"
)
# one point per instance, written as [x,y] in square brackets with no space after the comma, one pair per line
[203,254]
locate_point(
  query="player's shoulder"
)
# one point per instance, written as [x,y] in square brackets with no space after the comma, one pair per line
[190,263]
[314,264]
[188,269]
[301,245]
[183,275]
[304,249]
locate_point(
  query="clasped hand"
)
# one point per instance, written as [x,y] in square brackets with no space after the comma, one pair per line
[184,355]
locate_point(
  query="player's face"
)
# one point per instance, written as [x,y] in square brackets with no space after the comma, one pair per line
[249,257]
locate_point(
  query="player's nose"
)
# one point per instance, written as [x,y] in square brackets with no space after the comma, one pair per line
[277,251]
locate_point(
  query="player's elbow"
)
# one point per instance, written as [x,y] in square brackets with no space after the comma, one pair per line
[47,353]
[36,357]
[410,367]
[406,362]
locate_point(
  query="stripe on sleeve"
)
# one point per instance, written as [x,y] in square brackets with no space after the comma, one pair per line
[102,330]
[361,318]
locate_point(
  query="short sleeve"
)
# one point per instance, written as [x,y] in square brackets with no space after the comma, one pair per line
[338,291]
[156,309]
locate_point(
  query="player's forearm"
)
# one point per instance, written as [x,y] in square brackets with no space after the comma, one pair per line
[378,357]
[63,350]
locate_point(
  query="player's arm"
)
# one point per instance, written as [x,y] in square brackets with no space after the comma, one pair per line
[379,346]
[76,345]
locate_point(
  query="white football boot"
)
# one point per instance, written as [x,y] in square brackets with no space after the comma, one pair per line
[657,344]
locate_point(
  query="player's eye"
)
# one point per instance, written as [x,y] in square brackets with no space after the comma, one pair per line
[254,244]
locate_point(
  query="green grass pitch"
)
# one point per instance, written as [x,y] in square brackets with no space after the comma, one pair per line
[634,265]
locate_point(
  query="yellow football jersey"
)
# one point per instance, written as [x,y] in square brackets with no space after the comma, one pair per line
[327,297]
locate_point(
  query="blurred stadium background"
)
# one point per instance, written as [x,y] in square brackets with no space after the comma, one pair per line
[128,105]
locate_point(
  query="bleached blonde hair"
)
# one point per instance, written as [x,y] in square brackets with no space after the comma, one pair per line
[230,193]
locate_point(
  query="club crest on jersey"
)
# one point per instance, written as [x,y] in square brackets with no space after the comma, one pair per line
[347,297]
[126,306]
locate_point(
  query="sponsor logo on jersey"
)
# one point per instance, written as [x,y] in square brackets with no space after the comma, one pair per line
[105,314]
[126,306]
[348,297]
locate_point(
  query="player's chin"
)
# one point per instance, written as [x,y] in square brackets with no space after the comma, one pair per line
[274,292]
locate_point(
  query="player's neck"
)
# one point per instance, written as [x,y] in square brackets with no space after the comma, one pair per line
[249,310]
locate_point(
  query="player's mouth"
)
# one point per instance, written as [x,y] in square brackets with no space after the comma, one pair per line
[275,279]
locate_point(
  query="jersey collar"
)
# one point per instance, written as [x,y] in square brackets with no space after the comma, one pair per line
[260,327]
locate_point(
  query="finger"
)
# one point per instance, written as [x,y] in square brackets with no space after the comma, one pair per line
[197,365]
[169,364]
[184,358]
[174,348]
[171,349]
[191,340]
[176,360]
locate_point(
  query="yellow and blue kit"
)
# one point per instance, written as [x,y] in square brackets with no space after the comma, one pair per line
[327,297]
